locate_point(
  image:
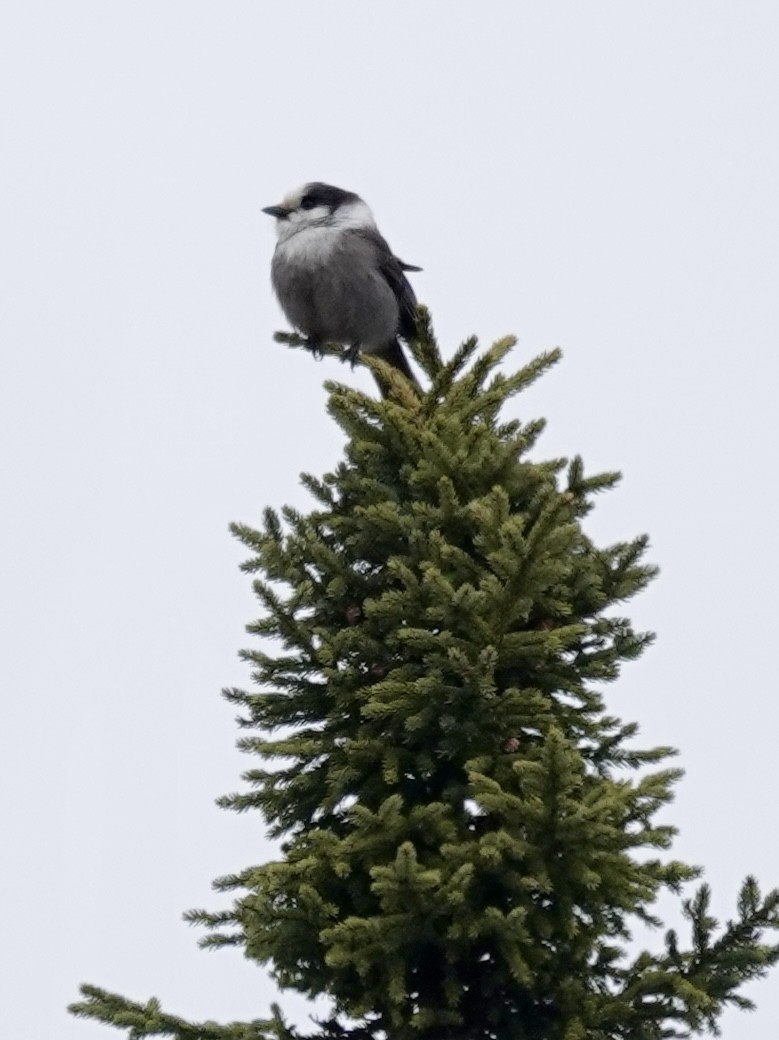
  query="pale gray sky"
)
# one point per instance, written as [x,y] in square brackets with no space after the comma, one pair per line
[599,176]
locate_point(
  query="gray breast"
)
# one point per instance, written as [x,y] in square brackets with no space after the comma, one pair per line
[330,287]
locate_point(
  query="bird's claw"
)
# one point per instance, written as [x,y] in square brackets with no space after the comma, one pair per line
[315,348]
[351,355]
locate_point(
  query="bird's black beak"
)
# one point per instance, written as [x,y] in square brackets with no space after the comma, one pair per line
[277,211]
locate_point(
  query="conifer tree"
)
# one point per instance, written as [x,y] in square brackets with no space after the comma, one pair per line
[467,834]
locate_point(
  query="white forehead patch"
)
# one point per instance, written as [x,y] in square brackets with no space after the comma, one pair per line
[293,198]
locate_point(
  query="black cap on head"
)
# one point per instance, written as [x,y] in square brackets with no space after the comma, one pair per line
[318,194]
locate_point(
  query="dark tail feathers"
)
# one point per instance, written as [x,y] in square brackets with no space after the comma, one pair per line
[394,355]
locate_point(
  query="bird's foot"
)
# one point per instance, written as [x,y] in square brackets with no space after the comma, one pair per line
[352,354]
[316,348]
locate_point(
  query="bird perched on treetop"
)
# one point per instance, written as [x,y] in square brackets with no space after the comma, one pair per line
[336,278]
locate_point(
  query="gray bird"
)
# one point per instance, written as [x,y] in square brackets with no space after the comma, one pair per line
[336,278]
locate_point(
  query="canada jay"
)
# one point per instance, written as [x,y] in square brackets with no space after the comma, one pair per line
[336,278]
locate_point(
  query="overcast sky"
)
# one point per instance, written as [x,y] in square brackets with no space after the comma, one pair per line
[599,176]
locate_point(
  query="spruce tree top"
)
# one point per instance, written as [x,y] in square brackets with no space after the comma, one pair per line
[467,834]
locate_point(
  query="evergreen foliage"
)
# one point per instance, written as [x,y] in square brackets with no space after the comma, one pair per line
[467,834]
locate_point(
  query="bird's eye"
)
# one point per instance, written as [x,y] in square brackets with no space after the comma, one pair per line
[307,202]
